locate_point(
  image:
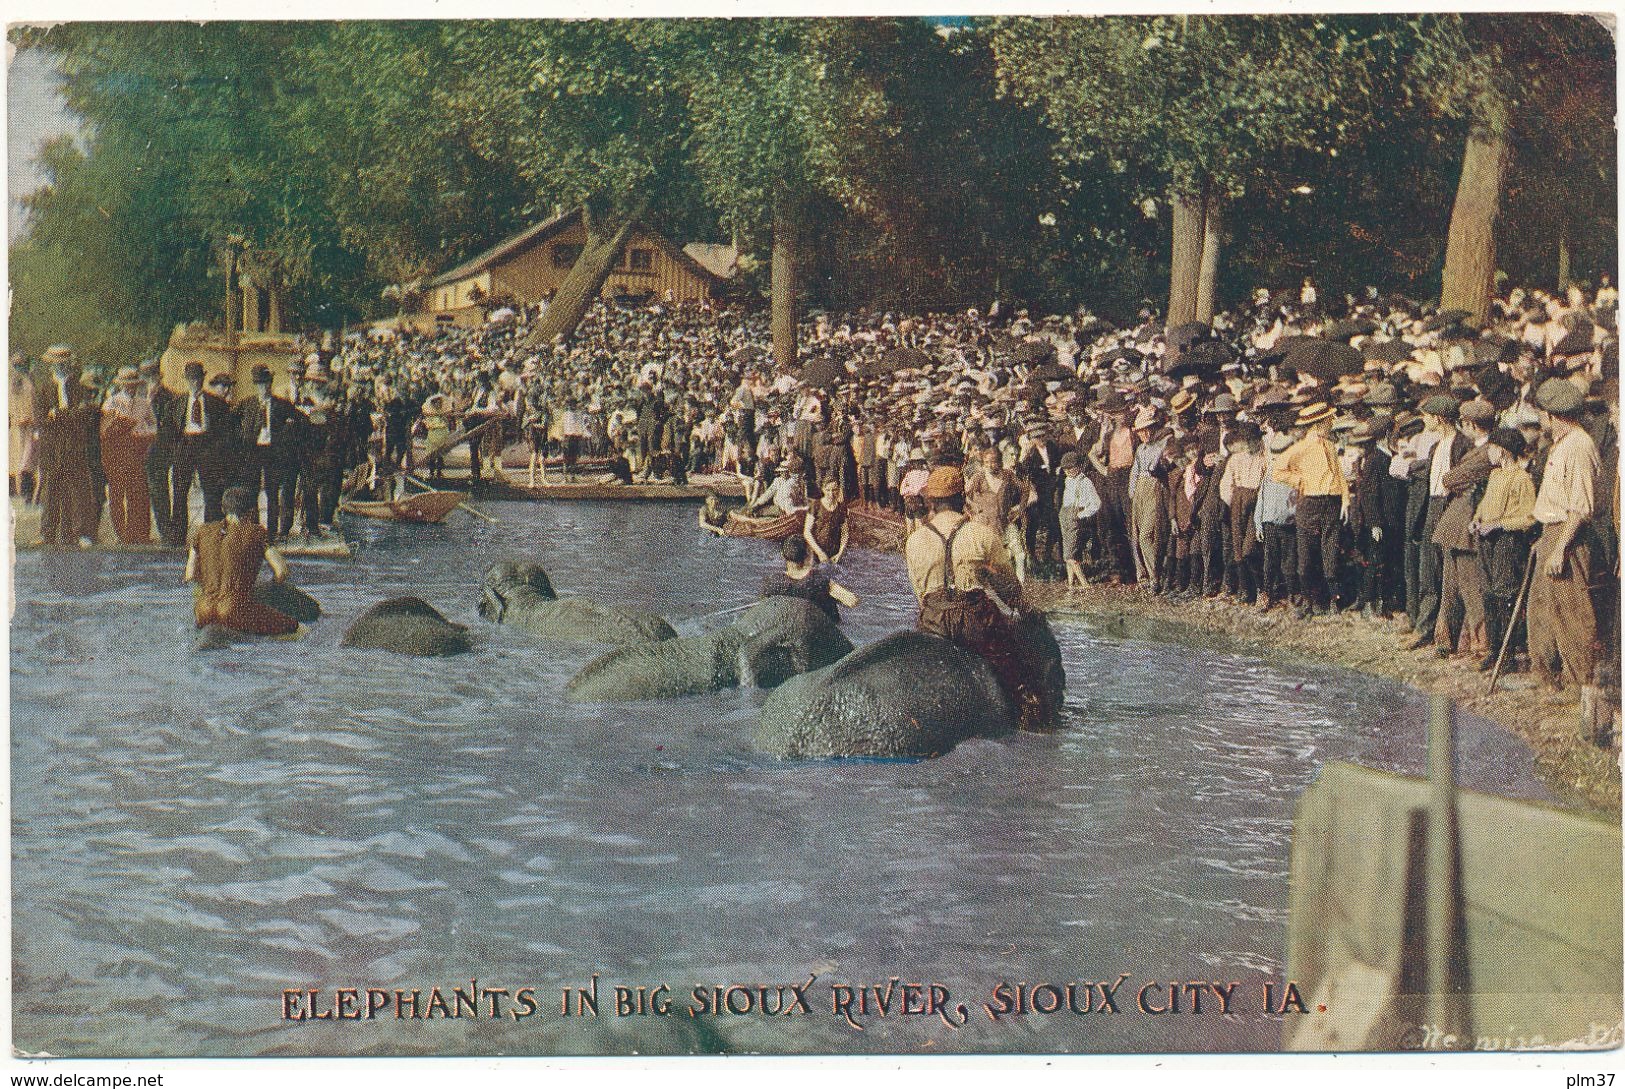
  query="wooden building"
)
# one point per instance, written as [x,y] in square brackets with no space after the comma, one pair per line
[529,267]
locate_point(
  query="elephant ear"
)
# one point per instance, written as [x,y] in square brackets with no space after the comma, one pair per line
[532,575]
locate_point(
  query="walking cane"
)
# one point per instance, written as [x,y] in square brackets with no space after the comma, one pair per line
[1512,621]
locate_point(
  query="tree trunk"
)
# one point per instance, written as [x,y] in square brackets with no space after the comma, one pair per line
[1207,281]
[1187,259]
[274,323]
[786,285]
[606,237]
[1563,260]
[251,307]
[1469,256]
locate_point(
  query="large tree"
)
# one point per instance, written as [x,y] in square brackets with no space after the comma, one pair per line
[588,114]
[783,111]
[1543,81]
[1194,108]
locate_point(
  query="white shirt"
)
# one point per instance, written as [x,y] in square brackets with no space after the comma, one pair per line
[198,426]
[1440,466]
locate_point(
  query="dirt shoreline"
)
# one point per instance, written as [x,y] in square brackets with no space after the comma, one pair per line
[1577,771]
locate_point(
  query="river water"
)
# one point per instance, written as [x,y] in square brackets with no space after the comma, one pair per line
[195,833]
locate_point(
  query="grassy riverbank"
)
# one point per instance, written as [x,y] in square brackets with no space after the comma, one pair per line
[1575,769]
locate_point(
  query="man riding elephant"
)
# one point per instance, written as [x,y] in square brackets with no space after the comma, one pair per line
[955,566]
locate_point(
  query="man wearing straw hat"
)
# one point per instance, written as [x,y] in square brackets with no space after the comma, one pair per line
[1310,466]
[128,430]
[65,414]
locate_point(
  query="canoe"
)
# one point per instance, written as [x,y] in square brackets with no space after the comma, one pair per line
[775,528]
[423,507]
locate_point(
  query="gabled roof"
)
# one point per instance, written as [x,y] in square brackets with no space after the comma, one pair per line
[719,259]
[538,233]
[509,246]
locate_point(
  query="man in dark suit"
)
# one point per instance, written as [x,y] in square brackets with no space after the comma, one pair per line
[1441,412]
[67,418]
[201,423]
[161,454]
[270,429]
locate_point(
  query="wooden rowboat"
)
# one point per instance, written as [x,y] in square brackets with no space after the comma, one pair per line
[775,528]
[423,507]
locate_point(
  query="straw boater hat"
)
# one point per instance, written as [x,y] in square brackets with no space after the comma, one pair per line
[1147,417]
[127,376]
[1314,413]
[57,353]
[1181,401]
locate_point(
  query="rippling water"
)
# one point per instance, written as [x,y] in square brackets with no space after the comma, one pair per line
[193,833]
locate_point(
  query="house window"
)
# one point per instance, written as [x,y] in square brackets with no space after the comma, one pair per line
[641,260]
[565,254]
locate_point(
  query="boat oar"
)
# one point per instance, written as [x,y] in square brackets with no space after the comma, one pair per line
[472,510]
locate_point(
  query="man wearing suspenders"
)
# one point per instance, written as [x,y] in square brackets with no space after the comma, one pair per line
[953,563]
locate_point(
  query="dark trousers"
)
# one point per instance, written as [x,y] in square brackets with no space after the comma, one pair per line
[201,460]
[1320,524]
[1214,550]
[158,492]
[1280,575]
[323,478]
[278,478]
[1429,571]
[1113,522]
[1505,556]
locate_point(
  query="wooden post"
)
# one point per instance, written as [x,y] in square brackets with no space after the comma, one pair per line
[1448,1011]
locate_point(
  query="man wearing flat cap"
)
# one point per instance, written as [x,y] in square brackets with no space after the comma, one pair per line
[1310,466]
[1448,446]
[1562,619]
[66,416]
[1502,521]
[953,565]
[1460,624]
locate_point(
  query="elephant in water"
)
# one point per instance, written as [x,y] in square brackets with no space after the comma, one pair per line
[282,596]
[521,594]
[775,640]
[908,695]
[407,625]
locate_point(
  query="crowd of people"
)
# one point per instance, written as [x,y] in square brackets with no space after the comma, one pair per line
[1366,454]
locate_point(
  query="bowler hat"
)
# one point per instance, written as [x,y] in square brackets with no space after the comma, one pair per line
[262,375]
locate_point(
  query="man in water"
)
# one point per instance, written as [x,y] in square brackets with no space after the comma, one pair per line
[223,559]
[953,565]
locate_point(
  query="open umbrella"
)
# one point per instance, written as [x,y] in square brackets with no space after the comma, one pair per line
[1183,336]
[1386,351]
[1033,352]
[823,373]
[1446,318]
[1349,327]
[1128,355]
[1324,359]
[1051,372]
[1203,360]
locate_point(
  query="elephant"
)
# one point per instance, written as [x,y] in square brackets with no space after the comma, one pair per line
[288,598]
[407,625]
[521,594]
[282,596]
[910,694]
[776,639]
